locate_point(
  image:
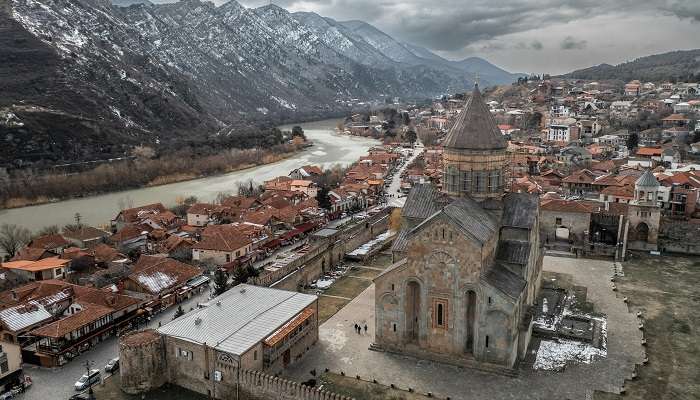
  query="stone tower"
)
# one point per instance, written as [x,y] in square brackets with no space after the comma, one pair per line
[646,190]
[644,213]
[475,153]
[142,361]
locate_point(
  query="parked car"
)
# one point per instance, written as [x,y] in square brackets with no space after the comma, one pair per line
[112,365]
[88,379]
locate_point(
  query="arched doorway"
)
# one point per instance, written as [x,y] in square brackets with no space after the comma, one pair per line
[643,232]
[470,320]
[412,311]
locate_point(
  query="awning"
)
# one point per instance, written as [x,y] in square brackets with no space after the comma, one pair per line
[289,327]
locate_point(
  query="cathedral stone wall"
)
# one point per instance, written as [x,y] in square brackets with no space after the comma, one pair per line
[446,270]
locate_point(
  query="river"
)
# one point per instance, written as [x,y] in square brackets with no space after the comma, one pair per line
[329,148]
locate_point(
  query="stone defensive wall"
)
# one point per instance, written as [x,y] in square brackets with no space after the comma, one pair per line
[324,254]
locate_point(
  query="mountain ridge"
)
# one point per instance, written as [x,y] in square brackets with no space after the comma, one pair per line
[153,73]
[678,65]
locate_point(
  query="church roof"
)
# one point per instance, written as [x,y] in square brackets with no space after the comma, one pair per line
[401,241]
[421,202]
[504,280]
[513,251]
[520,210]
[471,218]
[475,128]
[647,179]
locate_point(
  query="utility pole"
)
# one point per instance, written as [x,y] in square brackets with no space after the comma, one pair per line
[77,218]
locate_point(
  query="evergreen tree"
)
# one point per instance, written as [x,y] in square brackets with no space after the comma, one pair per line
[632,141]
[179,312]
[411,136]
[323,198]
[220,281]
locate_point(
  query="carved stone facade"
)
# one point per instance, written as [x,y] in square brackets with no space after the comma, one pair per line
[468,261]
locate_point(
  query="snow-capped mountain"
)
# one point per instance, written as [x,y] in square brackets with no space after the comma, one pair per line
[110,76]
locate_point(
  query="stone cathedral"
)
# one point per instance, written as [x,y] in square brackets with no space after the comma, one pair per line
[467,260]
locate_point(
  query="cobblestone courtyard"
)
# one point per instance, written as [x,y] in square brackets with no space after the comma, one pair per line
[341,349]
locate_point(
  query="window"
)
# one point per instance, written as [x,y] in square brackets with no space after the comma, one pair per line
[255,355]
[392,287]
[228,258]
[558,221]
[394,327]
[489,299]
[440,313]
[487,341]
[466,181]
[184,354]
[443,233]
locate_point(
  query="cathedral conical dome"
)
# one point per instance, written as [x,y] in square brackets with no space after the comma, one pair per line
[475,127]
[474,155]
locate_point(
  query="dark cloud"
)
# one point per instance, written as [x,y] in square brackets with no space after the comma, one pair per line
[569,43]
[452,25]
[536,45]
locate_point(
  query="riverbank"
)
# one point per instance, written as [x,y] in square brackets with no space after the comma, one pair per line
[267,157]
[330,149]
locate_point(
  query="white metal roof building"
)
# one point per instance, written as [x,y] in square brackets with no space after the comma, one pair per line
[237,320]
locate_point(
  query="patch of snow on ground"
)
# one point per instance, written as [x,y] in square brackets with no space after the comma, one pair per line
[284,103]
[554,354]
[324,283]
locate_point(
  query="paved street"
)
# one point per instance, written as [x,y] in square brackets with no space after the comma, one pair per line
[57,383]
[396,181]
[341,349]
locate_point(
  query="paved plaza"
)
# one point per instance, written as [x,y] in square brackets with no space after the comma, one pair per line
[340,348]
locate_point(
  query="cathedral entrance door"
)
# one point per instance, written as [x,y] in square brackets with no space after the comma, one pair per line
[471,312]
[412,310]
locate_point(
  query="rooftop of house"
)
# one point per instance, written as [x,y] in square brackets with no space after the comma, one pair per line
[64,326]
[134,214]
[157,274]
[50,241]
[240,318]
[225,238]
[85,232]
[36,266]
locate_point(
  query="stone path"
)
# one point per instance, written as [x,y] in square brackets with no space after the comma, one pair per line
[341,349]
[335,297]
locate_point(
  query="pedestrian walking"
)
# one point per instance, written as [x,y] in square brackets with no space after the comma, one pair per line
[355,327]
[365,329]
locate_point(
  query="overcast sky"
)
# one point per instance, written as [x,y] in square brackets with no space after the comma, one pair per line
[525,35]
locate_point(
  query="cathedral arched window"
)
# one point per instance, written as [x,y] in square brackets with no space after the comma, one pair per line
[466,181]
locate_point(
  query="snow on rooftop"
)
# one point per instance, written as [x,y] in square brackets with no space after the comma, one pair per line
[365,248]
[32,312]
[156,281]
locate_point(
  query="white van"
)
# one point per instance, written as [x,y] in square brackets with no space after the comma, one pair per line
[88,379]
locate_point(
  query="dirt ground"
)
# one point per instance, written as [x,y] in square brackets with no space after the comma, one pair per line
[357,279]
[665,290]
[359,389]
[110,390]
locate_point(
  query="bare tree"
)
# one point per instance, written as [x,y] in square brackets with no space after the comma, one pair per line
[13,238]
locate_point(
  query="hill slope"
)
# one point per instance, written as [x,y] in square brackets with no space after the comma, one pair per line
[86,79]
[678,65]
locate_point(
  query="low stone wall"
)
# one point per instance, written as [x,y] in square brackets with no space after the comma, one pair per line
[322,256]
[258,385]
